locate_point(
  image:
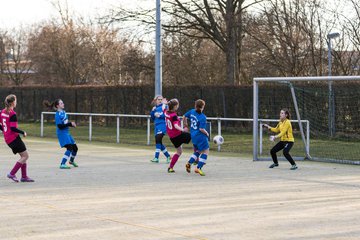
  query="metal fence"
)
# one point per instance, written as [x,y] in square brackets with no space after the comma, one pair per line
[219,121]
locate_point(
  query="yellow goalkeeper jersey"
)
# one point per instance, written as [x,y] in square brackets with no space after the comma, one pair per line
[285,131]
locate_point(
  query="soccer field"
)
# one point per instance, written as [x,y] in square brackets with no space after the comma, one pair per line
[116,193]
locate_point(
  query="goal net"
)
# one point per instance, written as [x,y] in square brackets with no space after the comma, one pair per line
[324,109]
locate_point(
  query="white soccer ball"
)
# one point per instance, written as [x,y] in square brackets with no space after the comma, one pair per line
[218,140]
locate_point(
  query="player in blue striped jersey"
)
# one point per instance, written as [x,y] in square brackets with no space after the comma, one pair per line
[199,136]
[158,116]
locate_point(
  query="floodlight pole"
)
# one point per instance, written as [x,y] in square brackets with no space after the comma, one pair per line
[158,51]
[331,92]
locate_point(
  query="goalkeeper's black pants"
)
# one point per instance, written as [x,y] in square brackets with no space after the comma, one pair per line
[279,146]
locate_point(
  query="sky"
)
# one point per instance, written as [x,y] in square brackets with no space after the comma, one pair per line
[15,13]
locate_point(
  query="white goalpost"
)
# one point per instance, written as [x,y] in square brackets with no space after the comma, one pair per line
[330,104]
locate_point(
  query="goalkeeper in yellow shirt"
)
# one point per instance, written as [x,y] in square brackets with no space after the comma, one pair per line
[283,131]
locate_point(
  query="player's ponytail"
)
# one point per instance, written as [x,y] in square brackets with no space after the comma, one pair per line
[9,101]
[53,105]
[199,105]
[287,113]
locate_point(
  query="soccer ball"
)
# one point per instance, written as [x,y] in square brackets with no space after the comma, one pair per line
[218,140]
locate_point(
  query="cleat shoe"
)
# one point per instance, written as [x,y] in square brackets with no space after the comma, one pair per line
[12,177]
[188,167]
[293,167]
[155,160]
[199,171]
[73,163]
[168,159]
[63,166]
[171,170]
[274,165]
[27,179]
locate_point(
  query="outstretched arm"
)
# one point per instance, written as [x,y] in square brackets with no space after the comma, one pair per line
[275,129]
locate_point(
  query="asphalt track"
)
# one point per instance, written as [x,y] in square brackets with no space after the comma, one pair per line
[116,193]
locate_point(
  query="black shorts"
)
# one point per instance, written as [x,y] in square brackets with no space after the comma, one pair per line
[17,146]
[184,137]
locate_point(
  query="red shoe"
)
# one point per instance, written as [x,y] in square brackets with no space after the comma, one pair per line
[12,177]
[27,179]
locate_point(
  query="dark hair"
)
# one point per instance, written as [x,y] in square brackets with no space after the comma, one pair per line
[287,113]
[9,100]
[199,104]
[52,105]
[172,104]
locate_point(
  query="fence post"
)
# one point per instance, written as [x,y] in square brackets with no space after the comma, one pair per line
[148,130]
[90,127]
[308,137]
[117,129]
[261,137]
[42,125]
[219,132]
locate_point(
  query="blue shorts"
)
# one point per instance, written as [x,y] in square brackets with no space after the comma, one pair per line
[65,139]
[200,143]
[161,129]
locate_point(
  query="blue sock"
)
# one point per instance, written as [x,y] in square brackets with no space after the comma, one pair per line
[65,157]
[157,150]
[164,150]
[202,160]
[194,157]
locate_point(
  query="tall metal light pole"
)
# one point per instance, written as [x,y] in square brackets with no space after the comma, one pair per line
[158,51]
[331,92]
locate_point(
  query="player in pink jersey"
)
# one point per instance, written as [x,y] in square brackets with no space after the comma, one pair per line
[177,134]
[9,126]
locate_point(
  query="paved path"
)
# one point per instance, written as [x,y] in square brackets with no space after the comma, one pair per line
[116,193]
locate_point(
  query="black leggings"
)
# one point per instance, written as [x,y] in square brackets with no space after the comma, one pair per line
[282,145]
[158,138]
[72,148]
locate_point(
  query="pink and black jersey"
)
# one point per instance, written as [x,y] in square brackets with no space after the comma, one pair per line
[172,119]
[8,121]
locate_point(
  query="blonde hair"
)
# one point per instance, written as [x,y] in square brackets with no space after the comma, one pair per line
[153,102]
[9,100]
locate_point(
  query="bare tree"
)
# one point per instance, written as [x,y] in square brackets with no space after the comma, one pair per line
[74,51]
[217,20]
[2,56]
[59,49]
[14,55]
[56,50]
[347,54]
[105,50]
[192,61]
[83,54]
[291,34]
